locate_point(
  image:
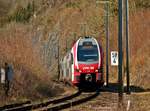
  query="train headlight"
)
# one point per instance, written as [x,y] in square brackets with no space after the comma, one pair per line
[100,70]
[96,70]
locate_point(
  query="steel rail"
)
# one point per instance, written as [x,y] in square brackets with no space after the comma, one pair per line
[41,104]
[70,103]
[14,105]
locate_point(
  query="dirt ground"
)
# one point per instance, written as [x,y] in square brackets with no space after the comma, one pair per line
[108,101]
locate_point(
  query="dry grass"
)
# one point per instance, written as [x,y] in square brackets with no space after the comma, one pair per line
[140,43]
[139,57]
[31,80]
[139,47]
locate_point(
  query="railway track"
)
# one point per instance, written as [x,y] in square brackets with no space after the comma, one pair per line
[52,105]
[69,103]
[30,106]
[15,105]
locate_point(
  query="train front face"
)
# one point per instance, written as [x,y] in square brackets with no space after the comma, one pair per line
[88,69]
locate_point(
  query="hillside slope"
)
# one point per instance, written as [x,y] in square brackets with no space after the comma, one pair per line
[30,31]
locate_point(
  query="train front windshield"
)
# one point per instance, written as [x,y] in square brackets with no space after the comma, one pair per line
[87,53]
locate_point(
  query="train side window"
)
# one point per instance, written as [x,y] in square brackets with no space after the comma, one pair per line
[71,58]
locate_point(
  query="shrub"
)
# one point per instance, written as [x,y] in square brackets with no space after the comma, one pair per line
[22,14]
[72,5]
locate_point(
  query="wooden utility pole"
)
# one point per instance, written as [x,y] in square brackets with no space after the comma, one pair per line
[107,41]
[120,35]
[127,47]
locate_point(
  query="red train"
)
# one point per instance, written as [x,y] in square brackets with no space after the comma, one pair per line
[84,63]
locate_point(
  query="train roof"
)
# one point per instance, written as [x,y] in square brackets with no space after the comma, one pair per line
[87,40]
